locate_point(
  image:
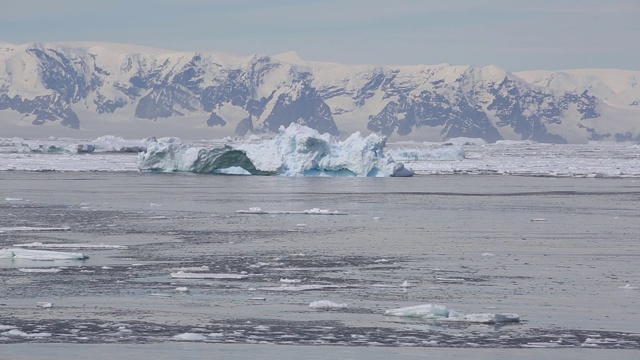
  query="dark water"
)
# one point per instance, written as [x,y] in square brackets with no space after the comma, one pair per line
[557,251]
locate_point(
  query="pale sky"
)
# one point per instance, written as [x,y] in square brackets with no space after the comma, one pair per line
[513,34]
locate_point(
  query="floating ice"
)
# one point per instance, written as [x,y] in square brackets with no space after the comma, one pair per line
[538,219]
[44,304]
[182,289]
[326,304]
[39,270]
[185,275]
[33,228]
[438,154]
[295,151]
[441,312]
[70,246]
[314,211]
[290,281]
[18,333]
[189,337]
[301,287]
[13,199]
[629,287]
[44,255]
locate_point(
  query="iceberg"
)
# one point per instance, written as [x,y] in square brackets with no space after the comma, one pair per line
[43,255]
[296,151]
[441,312]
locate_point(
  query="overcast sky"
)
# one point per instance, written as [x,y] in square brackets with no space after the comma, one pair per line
[514,34]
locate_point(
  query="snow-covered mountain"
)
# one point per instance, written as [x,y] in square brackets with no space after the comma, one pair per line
[116,89]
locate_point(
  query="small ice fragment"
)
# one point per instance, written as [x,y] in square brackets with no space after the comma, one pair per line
[107,268]
[185,275]
[488,254]
[258,298]
[376,218]
[628,287]
[255,209]
[154,205]
[43,255]
[406,284]
[381,261]
[182,289]
[289,281]
[44,305]
[327,305]
[13,199]
[301,225]
[39,270]
[189,337]
[538,219]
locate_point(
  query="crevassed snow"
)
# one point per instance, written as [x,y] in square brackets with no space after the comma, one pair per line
[441,312]
[296,151]
[43,255]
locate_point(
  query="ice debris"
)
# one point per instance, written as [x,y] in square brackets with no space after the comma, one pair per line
[69,246]
[185,275]
[44,304]
[327,305]
[313,211]
[296,151]
[44,255]
[441,312]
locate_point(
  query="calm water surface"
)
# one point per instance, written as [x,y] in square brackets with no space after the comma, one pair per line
[557,251]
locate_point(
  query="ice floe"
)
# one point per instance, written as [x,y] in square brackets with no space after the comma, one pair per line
[69,246]
[441,312]
[296,151]
[34,228]
[186,275]
[44,255]
[327,305]
[44,304]
[294,288]
[189,337]
[40,270]
[313,211]
[629,287]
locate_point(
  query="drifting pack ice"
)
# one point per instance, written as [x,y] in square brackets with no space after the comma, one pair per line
[296,151]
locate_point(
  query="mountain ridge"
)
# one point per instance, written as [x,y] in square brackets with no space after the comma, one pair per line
[78,85]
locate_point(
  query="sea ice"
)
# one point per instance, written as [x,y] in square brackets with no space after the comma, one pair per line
[189,337]
[184,275]
[313,211]
[296,151]
[33,228]
[441,312]
[69,246]
[326,304]
[44,255]
[629,287]
[40,270]
[301,287]
[44,304]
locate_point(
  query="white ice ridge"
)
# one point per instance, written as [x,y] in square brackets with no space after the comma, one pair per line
[314,211]
[69,246]
[441,312]
[43,255]
[296,151]
[327,305]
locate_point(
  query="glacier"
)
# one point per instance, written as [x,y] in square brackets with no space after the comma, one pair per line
[296,151]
